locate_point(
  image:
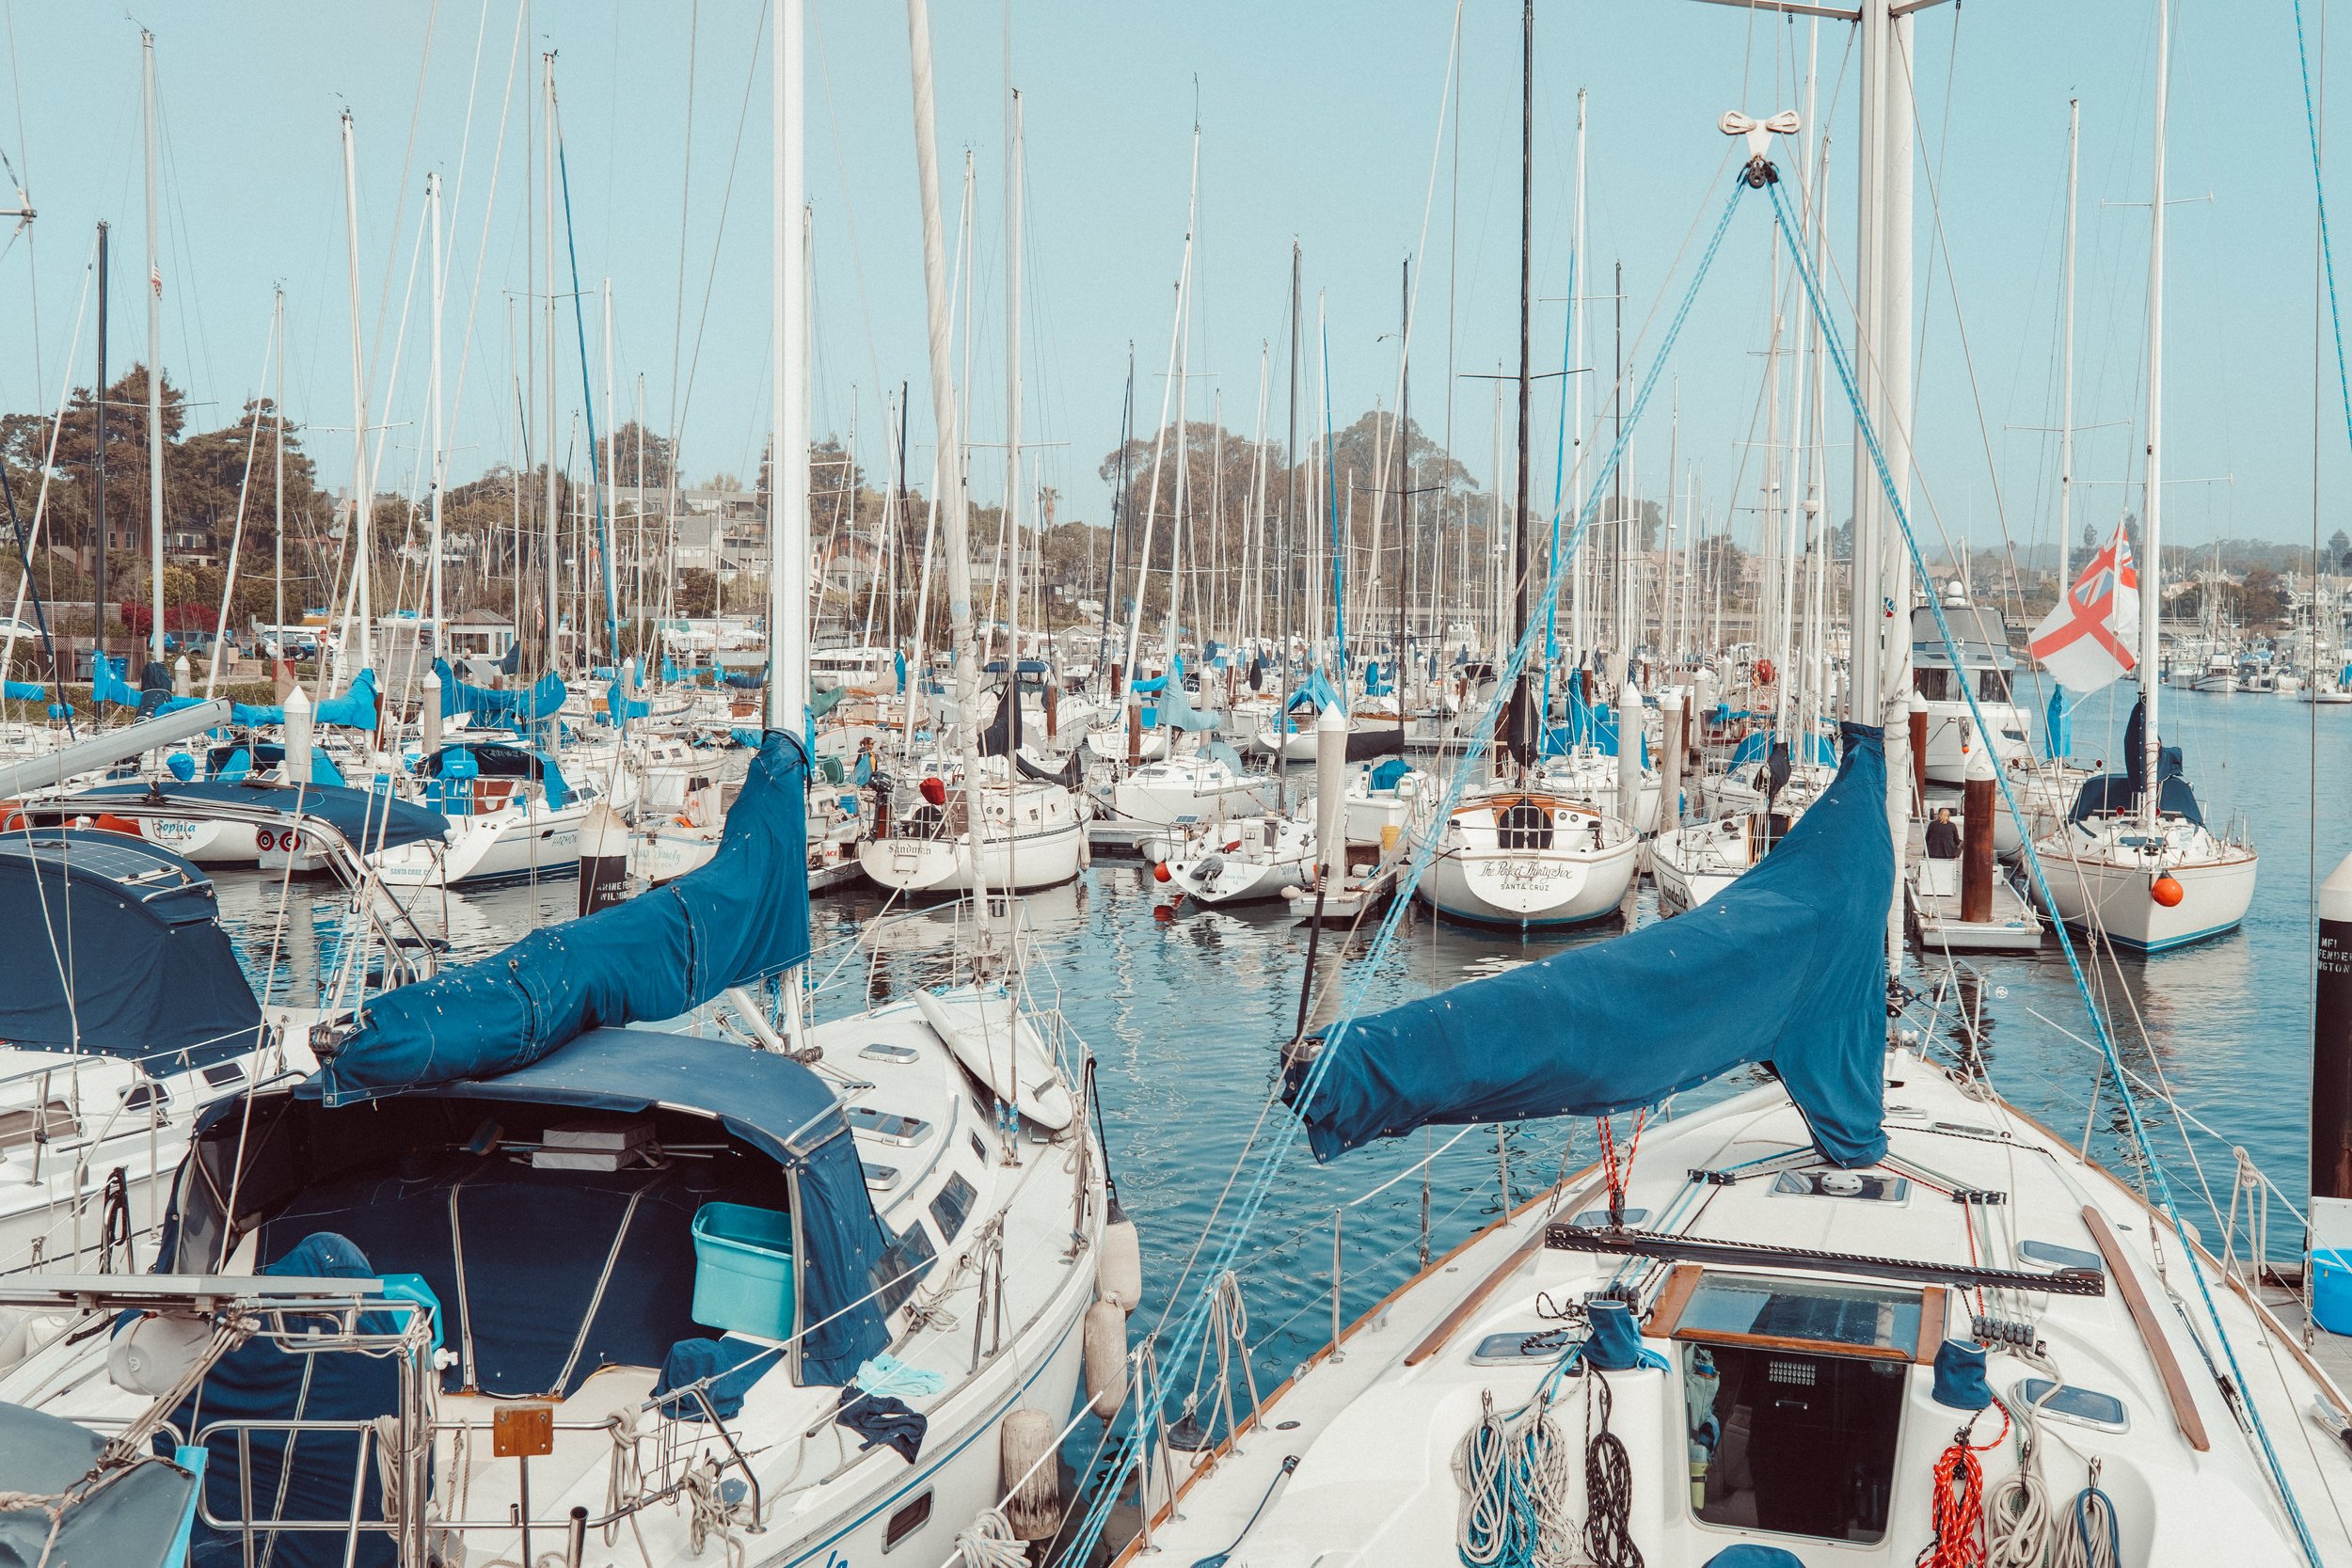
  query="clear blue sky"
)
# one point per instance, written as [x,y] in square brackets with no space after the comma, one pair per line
[1317,121]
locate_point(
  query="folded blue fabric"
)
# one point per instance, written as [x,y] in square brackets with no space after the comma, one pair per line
[878,1419]
[731,1364]
[887,1375]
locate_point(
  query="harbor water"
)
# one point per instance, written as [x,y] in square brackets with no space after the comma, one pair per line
[1186,1019]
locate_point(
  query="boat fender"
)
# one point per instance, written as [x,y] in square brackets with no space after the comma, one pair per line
[1160,872]
[15,1334]
[1086,852]
[1106,1340]
[2167,891]
[1030,1475]
[1118,1264]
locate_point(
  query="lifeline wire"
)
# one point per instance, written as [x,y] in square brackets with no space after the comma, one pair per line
[1869,437]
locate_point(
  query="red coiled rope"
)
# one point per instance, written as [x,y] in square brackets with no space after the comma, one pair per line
[1957,1511]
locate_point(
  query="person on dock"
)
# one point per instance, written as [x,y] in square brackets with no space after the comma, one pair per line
[1944,836]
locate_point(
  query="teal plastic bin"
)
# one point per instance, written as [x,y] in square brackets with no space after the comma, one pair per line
[2331,1291]
[743,1270]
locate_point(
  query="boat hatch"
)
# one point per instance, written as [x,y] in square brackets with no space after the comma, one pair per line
[2083,1406]
[1865,1185]
[1793,1394]
[887,1126]
[2058,1257]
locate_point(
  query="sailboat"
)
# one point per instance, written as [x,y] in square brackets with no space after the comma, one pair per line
[2135,859]
[987,818]
[1510,851]
[1802,1322]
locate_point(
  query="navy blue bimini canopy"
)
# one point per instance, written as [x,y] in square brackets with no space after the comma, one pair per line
[364,818]
[2113,794]
[741,916]
[1786,966]
[153,978]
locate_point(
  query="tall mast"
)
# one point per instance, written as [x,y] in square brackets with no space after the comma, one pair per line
[787,461]
[440,466]
[155,357]
[1580,340]
[1522,717]
[278,308]
[2152,506]
[950,484]
[98,606]
[547,274]
[2066,375]
[356,655]
[611,540]
[1012,368]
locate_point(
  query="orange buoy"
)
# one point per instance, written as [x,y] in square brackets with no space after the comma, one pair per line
[2166,891]
[1160,872]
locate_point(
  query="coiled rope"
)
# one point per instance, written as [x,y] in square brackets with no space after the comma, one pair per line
[1608,1485]
[991,1543]
[1956,1513]
[1515,1478]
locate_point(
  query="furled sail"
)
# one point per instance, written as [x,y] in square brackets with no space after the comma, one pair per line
[1786,966]
[665,952]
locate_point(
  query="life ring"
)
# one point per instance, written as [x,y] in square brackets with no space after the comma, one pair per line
[266,840]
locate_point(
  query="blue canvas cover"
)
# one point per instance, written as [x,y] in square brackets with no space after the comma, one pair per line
[2108,794]
[107,684]
[363,818]
[141,970]
[258,1382]
[132,1522]
[1798,942]
[2058,727]
[1316,692]
[507,710]
[354,707]
[253,716]
[741,916]
[27,691]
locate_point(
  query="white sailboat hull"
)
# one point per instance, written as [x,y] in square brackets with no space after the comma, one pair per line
[2110,887]
[1044,858]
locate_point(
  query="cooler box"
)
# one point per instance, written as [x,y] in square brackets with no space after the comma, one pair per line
[2331,1291]
[743,1270]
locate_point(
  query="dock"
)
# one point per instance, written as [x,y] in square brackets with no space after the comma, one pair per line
[1363,890]
[1934,888]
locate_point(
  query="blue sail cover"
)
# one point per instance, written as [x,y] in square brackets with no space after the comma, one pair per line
[1315,692]
[665,952]
[1786,966]
[2058,727]
[354,707]
[107,684]
[140,968]
[481,705]
[27,691]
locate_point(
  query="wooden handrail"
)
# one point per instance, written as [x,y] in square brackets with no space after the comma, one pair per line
[2119,1269]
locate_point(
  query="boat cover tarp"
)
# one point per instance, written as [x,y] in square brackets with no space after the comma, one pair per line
[153,977]
[1002,737]
[27,691]
[364,818]
[107,684]
[1786,966]
[2058,727]
[259,1382]
[354,707]
[1376,740]
[2108,794]
[1316,692]
[507,710]
[255,715]
[742,914]
[1176,711]
[132,1522]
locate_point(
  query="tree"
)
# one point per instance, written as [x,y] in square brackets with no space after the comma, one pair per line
[725,482]
[2340,547]
[626,447]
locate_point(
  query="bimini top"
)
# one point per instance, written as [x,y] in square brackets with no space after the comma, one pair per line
[768,1100]
[1786,966]
[742,914]
[498,759]
[2113,794]
[1978,631]
[362,817]
[116,951]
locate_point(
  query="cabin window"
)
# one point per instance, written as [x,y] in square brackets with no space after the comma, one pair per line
[1932,682]
[912,1517]
[145,1095]
[1523,825]
[1992,686]
[28,1124]
[953,1206]
[224,1075]
[903,1266]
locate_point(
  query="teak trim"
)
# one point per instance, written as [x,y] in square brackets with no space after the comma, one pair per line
[2144,1318]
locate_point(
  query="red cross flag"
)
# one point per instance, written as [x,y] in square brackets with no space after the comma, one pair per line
[2087,641]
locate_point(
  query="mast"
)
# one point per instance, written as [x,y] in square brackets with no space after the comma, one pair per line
[787,461]
[1404,488]
[2066,374]
[2152,505]
[1012,377]
[355,656]
[546,276]
[607,540]
[1580,338]
[958,543]
[433,213]
[1159,440]
[278,308]
[98,608]
[1522,718]
[154,357]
